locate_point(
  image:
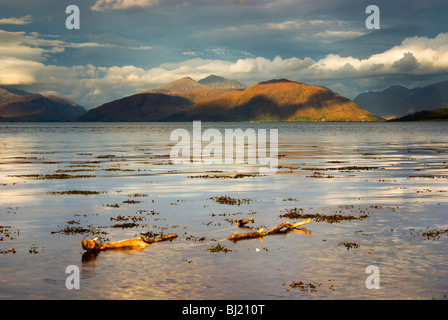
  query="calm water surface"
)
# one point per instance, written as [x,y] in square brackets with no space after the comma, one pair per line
[394,174]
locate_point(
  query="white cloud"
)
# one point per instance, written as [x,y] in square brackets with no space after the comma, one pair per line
[192,53]
[299,29]
[22,46]
[287,25]
[18,21]
[36,47]
[339,34]
[431,54]
[102,5]
[293,24]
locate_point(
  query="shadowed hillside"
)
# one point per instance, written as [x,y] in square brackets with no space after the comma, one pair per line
[139,107]
[427,115]
[10,94]
[398,101]
[35,107]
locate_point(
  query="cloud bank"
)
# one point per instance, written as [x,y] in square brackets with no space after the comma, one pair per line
[24,62]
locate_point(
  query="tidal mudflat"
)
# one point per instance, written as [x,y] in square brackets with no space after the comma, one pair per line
[376,194]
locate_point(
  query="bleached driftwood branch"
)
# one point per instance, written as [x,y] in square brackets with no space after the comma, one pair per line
[261,233]
[140,242]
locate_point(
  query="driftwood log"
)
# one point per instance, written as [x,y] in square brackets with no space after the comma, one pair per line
[261,233]
[140,242]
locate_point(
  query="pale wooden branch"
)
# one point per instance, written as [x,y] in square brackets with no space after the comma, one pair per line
[261,233]
[140,242]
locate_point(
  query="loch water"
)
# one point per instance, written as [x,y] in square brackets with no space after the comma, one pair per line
[377,194]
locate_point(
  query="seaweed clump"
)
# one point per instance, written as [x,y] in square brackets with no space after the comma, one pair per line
[349,245]
[433,234]
[332,218]
[308,287]
[230,201]
[76,192]
[218,248]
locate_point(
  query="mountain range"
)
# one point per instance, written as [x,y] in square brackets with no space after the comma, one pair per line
[215,98]
[398,101]
[159,104]
[277,100]
[18,105]
[218,99]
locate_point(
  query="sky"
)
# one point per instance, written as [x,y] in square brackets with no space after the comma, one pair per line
[123,47]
